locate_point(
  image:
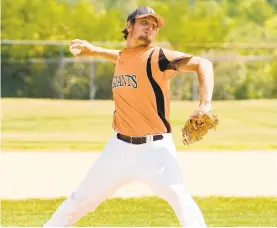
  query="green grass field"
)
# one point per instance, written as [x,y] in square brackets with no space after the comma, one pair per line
[66,125]
[147,211]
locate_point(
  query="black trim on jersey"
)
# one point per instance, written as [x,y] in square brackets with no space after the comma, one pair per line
[163,61]
[158,93]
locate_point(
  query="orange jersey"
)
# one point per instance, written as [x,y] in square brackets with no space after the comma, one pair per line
[141,91]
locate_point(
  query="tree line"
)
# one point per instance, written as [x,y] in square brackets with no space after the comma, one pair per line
[197,22]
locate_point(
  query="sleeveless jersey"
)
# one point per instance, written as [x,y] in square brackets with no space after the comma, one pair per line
[141,90]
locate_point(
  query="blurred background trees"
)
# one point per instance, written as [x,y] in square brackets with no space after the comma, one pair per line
[41,70]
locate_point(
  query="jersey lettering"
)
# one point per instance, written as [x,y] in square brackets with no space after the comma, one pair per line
[125,80]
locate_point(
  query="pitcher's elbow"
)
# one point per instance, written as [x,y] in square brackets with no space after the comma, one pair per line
[205,62]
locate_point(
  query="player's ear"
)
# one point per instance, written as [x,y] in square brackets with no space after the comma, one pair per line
[129,26]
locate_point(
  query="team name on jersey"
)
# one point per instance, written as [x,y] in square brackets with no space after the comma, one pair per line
[125,80]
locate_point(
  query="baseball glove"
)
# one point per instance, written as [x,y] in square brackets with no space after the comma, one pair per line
[198,125]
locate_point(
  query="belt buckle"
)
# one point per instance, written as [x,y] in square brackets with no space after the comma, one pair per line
[149,138]
[131,137]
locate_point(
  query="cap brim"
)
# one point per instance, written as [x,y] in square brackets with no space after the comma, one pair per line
[159,19]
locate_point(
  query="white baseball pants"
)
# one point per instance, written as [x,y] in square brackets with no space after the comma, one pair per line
[154,163]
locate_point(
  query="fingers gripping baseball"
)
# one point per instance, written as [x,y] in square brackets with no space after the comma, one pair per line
[81,47]
[198,125]
[76,47]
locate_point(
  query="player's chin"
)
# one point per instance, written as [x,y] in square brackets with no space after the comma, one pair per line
[145,39]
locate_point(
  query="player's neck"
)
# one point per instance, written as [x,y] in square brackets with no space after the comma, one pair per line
[133,44]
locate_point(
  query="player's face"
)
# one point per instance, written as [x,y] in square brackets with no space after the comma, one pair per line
[144,30]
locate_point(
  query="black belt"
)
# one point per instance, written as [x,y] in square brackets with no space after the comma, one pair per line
[138,140]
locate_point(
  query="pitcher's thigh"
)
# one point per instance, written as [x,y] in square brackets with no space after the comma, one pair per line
[168,183]
[105,175]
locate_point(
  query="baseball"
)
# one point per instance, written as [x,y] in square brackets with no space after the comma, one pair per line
[75,50]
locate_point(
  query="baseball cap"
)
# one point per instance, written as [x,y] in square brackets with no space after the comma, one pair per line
[144,11]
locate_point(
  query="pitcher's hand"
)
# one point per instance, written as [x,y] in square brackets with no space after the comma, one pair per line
[87,49]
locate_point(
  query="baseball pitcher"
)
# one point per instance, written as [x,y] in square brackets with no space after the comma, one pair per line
[142,147]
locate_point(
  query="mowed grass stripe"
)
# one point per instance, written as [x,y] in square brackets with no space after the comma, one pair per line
[147,211]
[74,125]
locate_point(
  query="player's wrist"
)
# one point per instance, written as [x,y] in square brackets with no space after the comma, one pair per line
[204,102]
[97,51]
[205,107]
